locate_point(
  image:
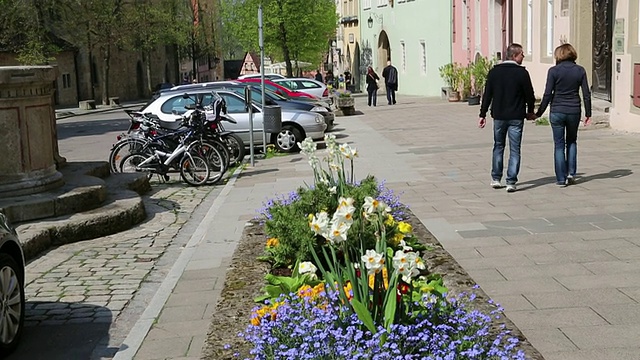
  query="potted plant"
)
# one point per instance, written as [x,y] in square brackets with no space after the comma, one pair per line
[479,72]
[465,82]
[345,101]
[449,73]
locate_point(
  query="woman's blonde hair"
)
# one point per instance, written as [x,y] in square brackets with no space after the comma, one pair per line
[565,52]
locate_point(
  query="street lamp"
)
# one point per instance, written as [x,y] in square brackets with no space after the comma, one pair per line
[333,48]
[370,20]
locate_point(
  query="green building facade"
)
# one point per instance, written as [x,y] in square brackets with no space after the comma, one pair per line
[415,35]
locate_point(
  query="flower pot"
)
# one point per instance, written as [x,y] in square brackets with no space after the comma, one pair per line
[454,96]
[345,102]
[474,100]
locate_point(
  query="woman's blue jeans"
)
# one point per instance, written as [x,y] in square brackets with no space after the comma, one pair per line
[502,128]
[565,136]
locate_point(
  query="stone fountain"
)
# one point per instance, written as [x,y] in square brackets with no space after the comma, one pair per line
[50,201]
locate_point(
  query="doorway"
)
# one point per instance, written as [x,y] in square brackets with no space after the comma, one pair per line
[384,50]
[602,48]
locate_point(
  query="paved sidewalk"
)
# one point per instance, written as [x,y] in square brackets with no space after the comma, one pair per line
[563,261]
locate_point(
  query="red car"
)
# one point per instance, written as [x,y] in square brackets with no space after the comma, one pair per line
[279,89]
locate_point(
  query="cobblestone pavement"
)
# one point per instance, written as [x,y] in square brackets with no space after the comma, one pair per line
[110,279]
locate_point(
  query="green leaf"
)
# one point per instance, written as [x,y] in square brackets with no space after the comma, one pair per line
[390,310]
[364,315]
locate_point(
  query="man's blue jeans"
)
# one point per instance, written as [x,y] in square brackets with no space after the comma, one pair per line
[502,128]
[391,95]
[565,136]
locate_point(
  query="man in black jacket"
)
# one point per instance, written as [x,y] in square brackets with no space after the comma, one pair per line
[510,93]
[390,75]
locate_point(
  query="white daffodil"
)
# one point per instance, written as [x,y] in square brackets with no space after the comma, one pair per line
[333,190]
[409,273]
[348,152]
[400,260]
[324,180]
[344,214]
[319,223]
[342,201]
[338,232]
[404,246]
[314,161]
[373,261]
[419,263]
[329,139]
[307,267]
[307,147]
[370,205]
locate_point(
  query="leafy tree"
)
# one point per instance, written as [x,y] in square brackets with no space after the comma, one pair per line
[101,27]
[297,30]
[153,24]
[23,30]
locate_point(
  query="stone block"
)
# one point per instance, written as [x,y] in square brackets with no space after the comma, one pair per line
[114,101]
[87,104]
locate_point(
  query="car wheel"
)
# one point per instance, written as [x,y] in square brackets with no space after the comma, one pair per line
[286,140]
[11,304]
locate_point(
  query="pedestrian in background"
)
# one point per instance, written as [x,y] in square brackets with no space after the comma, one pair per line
[510,93]
[372,86]
[390,75]
[318,75]
[564,81]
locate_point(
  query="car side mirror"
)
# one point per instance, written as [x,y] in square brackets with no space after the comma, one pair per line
[185,96]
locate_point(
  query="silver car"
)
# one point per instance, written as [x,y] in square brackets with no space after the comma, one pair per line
[309,86]
[296,124]
[12,274]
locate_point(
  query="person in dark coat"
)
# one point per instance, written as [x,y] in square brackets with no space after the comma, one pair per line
[318,76]
[390,75]
[372,86]
[562,90]
[509,92]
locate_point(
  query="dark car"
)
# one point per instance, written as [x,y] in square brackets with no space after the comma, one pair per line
[12,275]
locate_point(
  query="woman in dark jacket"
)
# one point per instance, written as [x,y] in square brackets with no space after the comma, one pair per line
[563,83]
[372,86]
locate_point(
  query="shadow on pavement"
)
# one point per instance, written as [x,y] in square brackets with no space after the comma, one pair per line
[551,180]
[86,128]
[64,331]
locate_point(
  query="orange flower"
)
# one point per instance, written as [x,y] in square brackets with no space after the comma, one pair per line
[273,242]
[385,278]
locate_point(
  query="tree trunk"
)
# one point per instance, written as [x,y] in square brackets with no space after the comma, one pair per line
[106,57]
[285,49]
[193,58]
[148,68]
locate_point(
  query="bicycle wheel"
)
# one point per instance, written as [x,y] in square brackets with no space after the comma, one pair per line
[129,163]
[236,148]
[123,148]
[194,169]
[209,151]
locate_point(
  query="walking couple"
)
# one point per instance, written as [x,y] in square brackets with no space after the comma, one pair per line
[510,93]
[390,74]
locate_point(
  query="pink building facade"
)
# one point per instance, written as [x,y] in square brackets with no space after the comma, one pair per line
[480,28]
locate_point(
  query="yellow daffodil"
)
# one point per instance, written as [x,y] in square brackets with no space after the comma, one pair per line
[273,242]
[389,221]
[404,227]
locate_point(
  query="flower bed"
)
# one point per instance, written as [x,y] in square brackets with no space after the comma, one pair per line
[363,281]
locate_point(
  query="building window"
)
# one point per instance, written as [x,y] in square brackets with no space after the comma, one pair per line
[465,26]
[382,3]
[404,56]
[549,27]
[529,26]
[66,81]
[366,4]
[423,60]
[478,25]
[564,8]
